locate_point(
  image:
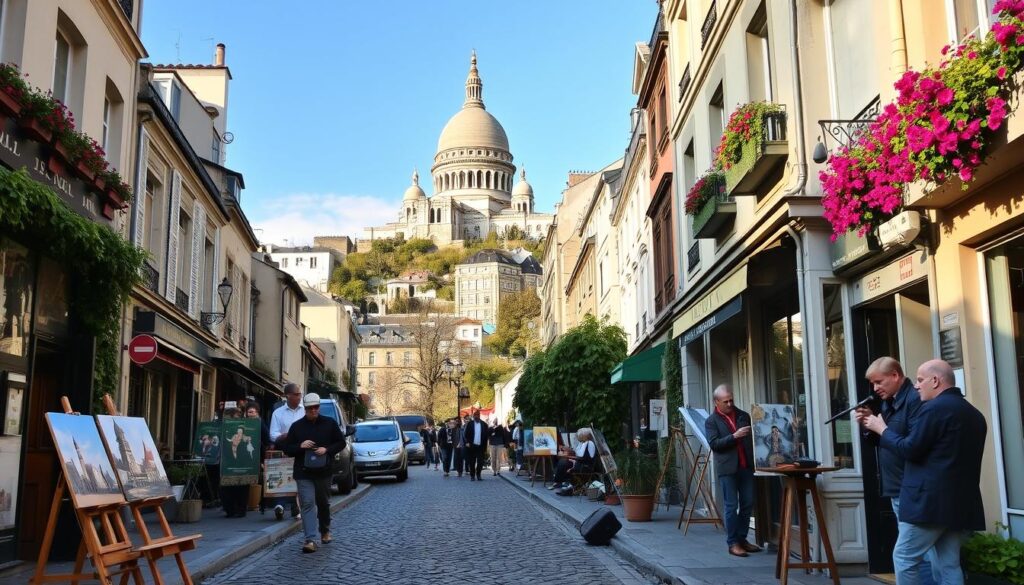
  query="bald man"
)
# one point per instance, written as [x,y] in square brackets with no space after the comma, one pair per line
[728,433]
[940,499]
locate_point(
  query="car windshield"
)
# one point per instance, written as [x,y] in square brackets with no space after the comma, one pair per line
[376,433]
[414,437]
[329,410]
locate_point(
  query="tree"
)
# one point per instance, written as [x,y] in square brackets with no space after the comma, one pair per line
[513,335]
[482,375]
[434,343]
[388,393]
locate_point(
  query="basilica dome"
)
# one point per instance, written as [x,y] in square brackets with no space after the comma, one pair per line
[473,127]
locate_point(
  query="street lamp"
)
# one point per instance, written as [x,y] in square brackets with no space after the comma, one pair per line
[455,371]
[224,291]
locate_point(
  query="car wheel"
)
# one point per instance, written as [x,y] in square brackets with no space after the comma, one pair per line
[344,485]
[355,478]
[403,475]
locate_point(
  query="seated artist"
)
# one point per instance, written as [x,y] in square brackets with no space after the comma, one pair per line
[582,458]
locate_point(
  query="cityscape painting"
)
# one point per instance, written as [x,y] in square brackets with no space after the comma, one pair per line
[135,457]
[86,466]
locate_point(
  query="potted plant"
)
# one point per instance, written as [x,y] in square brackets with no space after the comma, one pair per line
[92,163]
[639,474]
[187,505]
[43,117]
[12,89]
[990,559]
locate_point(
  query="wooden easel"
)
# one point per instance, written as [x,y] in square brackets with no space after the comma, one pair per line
[156,548]
[698,469]
[674,434]
[104,540]
[545,467]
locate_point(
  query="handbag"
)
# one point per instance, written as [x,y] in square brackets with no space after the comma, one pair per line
[314,461]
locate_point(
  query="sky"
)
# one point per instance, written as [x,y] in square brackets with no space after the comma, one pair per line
[333,103]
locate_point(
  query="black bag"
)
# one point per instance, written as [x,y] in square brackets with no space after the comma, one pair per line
[600,527]
[314,461]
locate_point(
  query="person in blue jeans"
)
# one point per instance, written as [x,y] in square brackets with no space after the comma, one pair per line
[728,434]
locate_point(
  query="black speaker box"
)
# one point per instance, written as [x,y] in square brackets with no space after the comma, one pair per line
[600,527]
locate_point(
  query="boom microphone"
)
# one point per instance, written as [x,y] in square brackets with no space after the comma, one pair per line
[872,402]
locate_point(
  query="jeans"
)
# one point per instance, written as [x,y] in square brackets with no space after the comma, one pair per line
[519,458]
[446,458]
[429,455]
[313,493]
[738,500]
[924,568]
[938,544]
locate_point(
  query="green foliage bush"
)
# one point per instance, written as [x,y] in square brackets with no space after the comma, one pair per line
[991,554]
[638,471]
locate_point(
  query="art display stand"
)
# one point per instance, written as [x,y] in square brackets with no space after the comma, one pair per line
[155,548]
[698,462]
[799,483]
[105,540]
[546,468]
[674,434]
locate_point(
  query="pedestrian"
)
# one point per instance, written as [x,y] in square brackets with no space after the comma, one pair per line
[900,407]
[465,448]
[446,444]
[434,446]
[580,460]
[476,434]
[313,441]
[940,497]
[459,455]
[496,440]
[728,432]
[280,422]
[517,444]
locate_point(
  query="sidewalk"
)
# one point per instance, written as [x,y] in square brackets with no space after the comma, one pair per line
[659,548]
[224,542]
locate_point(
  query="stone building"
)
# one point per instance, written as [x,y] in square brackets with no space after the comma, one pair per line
[488,276]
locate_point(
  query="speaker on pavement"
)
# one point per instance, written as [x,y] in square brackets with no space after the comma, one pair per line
[600,527]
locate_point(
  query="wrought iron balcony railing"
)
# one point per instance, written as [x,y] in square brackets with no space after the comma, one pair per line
[181,299]
[709,24]
[684,82]
[693,257]
[150,277]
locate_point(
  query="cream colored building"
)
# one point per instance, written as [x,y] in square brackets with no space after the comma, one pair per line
[488,276]
[387,369]
[277,325]
[472,181]
[596,230]
[332,325]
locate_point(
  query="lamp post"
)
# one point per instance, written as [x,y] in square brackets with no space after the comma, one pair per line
[224,291]
[454,372]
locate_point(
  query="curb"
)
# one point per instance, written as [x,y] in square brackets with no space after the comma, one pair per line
[631,550]
[201,568]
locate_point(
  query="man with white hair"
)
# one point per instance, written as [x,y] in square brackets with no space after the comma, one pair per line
[728,433]
[940,498]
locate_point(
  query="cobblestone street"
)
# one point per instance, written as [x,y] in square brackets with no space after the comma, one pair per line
[431,529]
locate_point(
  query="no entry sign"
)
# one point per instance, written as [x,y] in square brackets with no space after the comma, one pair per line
[142,349]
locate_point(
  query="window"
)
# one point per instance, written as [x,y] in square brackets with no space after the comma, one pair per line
[184,250]
[716,116]
[61,68]
[175,105]
[387,359]
[299,261]
[105,141]
[371,378]
[849,29]
[759,72]
[835,369]
[208,292]
[662,118]
[312,261]
[966,18]
[476,333]
[284,263]
[372,358]
[406,358]
[215,148]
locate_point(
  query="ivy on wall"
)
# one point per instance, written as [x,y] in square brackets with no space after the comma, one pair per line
[672,372]
[102,265]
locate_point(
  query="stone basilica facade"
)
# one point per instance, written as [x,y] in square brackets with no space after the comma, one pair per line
[473,183]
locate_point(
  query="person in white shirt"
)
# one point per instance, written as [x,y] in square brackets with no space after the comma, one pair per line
[585,452]
[280,422]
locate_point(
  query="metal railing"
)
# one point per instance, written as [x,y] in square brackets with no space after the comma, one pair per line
[684,82]
[709,24]
[775,126]
[846,132]
[693,257]
[150,277]
[181,299]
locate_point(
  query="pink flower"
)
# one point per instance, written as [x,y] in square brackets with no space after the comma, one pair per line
[944,97]
[1001,73]
[996,112]
[966,174]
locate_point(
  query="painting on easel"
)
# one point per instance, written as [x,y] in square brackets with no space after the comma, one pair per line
[135,457]
[85,464]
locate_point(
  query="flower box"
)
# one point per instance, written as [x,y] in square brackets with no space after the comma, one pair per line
[753,146]
[760,159]
[32,129]
[718,213]
[9,105]
[84,172]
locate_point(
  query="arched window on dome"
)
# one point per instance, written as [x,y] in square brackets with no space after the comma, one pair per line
[472,179]
[488,179]
[504,185]
[479,179]
[462,179]
[445,181]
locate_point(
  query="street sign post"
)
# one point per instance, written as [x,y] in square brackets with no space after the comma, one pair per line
[142,349]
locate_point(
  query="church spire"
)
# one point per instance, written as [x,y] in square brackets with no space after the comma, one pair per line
[415,177]
[474,86]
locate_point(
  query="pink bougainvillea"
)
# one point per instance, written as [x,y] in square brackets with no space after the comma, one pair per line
[745,124]
[706,187]
[938,128]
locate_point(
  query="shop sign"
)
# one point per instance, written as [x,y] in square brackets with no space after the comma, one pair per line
[889,278]
[158,325]
[728,289]
[142,349]
[849,249]
[733,308]
[951,347]
[16,153]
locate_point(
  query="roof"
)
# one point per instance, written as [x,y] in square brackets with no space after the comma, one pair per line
[491,255]
[412,277]
[468,321]
[473,126]
[642,367]
[173,66]
[386,335]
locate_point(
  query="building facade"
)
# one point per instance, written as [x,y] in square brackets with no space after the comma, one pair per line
[332,325]
[311,266]
[387,369]
[488,276]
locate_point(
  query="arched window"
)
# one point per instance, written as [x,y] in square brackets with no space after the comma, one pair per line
[488,179]
[479,179]
[472,181]
[462,180]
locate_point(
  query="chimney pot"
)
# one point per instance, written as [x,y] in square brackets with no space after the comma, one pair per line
[218,60]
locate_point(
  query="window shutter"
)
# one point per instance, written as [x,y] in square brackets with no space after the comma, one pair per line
[172,237]
[140,191]
[215,277]
[195,300]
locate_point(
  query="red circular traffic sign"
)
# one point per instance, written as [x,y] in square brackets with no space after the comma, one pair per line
[142,349]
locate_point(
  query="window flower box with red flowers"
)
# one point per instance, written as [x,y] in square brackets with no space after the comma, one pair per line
[710,206]
[752,147]
[938,132]
[12,90]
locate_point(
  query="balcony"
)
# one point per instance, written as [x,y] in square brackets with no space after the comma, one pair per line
[761,157]
[150,277]
[684,82]
[709,24]
[716,217]
[693,258]
[181,299]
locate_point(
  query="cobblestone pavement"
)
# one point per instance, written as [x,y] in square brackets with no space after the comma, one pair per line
[432,529]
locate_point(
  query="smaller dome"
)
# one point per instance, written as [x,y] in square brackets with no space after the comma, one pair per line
[522,188]
[414,192]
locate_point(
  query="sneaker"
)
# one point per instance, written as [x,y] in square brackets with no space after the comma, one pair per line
[279,511]
[309,547]
[326,537]
[553,486]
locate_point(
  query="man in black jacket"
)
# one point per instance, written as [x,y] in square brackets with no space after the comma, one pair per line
[476,445]
[446,443]
[728,433]
[940,499]
[313,440]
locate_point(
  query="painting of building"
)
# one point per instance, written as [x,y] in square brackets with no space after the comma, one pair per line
[85,463]
[133,452]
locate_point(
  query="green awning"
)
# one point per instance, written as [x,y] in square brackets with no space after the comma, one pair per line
[642,367]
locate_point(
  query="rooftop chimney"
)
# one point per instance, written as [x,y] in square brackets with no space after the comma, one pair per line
[577,177]
[218,60]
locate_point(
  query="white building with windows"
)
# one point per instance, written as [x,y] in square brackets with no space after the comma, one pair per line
[487,277]
[311,266]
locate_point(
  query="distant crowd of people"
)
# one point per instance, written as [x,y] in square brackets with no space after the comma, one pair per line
[469,444]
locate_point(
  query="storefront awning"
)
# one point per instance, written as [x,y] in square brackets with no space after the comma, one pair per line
[259,380]
[642,367]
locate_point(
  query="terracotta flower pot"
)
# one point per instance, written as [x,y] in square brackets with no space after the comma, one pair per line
[100,183]
[84,172]
[33,130]
[612,500]
[115,199]
[59,158]
[638,508]
[9,105]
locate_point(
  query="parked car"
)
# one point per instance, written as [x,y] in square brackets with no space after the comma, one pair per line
[416,449]
[412,422]
[344,465]
[380,449]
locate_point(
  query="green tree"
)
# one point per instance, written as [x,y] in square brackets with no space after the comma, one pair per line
[482,375]
[515,312]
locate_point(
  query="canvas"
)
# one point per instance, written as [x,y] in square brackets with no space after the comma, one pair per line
[131,448]
[695,419]
[528,443]
[240,451]
[207,443]
[278,480]
[10,462]
[545,440]
[84,461]
[604,452]
[778,434]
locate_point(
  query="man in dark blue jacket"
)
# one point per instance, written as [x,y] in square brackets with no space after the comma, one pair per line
[940,499]
[728,433]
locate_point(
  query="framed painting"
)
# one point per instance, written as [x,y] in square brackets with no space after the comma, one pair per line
[90,476]
[134,454]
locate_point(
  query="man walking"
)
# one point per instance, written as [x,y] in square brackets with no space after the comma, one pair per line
[476,439]
[459,447]
[313,441]
[728,432]
[900,406]
[940,498]
[446,442]
[428,446]
[280,421]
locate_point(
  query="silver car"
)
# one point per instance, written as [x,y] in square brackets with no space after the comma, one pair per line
[379,447]
[417,453]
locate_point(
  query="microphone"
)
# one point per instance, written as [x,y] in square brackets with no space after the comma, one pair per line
[872,402]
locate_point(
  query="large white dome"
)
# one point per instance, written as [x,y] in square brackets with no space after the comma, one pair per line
[473,127]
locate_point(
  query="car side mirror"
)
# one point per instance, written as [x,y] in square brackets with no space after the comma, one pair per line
[406,440]
[350,430]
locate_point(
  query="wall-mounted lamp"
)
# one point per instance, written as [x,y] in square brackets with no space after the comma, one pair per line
[224,291]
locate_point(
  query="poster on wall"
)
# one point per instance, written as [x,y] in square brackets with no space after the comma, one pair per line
[10,460]
[240,451]
[84,461]
[779,433]
[207,443]
[658,417]
[278,479]
[695,419]
[131,448]
[545,440]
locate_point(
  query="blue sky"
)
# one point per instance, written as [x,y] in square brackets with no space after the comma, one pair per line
[334,102]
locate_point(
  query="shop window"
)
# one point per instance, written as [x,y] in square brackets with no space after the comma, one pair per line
[17,273]
[786,375]
[52,299]
[835,370]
